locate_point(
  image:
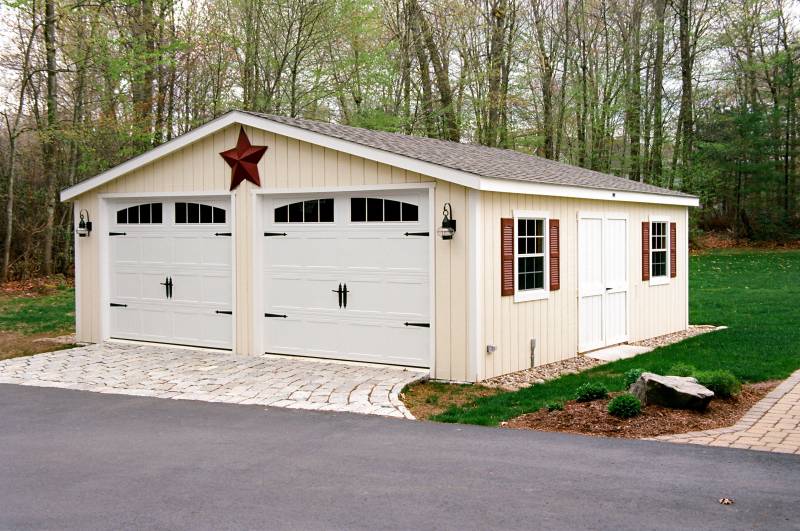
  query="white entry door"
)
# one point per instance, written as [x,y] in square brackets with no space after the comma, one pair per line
[347,276]
[170,271]
[602,280]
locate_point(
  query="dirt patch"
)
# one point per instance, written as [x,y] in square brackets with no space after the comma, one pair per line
[34,287]
[726,240]
[427,399]
[592,418]
[15,345]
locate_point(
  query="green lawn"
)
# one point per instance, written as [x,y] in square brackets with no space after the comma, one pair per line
[755,293]
[52,313]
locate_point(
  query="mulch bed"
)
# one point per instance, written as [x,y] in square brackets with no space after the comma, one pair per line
[592,418]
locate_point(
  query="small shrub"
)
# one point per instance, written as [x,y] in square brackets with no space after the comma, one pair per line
[723,383]
[631,376]
[625,406]
[555,406]
[682,369]
[590,391]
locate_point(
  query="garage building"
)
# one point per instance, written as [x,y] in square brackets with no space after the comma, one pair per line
[264,234]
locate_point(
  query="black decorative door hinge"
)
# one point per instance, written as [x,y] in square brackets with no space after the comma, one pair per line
[223,234]
[226,312]
[275,315]
[117,233]
[117,305]
[417,234]
[421,325]
[269,234]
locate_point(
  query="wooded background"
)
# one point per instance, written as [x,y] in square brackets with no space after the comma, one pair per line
[695,95]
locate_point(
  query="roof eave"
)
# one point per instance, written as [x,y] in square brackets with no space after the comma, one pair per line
[583,192]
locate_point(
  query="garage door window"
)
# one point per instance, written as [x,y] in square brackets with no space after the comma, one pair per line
[140,214]
[195,213]
[373,209]
[311,211]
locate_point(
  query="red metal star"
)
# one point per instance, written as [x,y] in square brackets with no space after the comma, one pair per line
[243,159]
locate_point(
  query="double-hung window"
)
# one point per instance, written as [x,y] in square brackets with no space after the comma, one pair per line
[659,252]
[530,252]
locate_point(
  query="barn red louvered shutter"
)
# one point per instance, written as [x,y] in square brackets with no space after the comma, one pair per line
[645,250]
[506,256]
[673,249]
[555,256]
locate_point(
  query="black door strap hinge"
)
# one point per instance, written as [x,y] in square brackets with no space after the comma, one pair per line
[117,305]
[268,234]
[417,234]
[117,233]
[422,325]
[226,312]
[223,234]
[275,315]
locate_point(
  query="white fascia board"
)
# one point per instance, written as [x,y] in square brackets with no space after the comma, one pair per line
[149,156]
[579,192]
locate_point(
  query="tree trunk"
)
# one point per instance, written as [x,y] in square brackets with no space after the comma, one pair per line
[9,207]
[497,14]
[635,95]
[687,102]
[425,75]
[655,163]
[48,140]
[441,74]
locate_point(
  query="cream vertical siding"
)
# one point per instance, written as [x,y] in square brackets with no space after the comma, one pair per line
[553,322]
[288,163]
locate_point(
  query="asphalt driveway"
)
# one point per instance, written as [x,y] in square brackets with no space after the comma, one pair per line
[79,460]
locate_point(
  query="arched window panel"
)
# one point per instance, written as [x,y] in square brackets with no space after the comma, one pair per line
[310,211]
[146,213]
[196,213]
[373,209]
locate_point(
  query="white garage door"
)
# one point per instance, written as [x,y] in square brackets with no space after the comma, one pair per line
[347,276]
[170,271]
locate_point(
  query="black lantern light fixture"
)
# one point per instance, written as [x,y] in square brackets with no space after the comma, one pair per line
[84,225]
[448,228]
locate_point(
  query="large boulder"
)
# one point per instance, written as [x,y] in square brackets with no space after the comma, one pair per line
[671,391]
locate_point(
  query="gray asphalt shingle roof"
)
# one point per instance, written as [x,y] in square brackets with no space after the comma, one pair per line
[478,160]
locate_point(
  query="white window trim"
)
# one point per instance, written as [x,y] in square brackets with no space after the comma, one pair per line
[544,292]
[659,281]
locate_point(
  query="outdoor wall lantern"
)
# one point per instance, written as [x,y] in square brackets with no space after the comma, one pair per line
[448,228]
[84,225]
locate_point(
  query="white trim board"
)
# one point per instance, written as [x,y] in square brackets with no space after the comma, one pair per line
[463,178]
